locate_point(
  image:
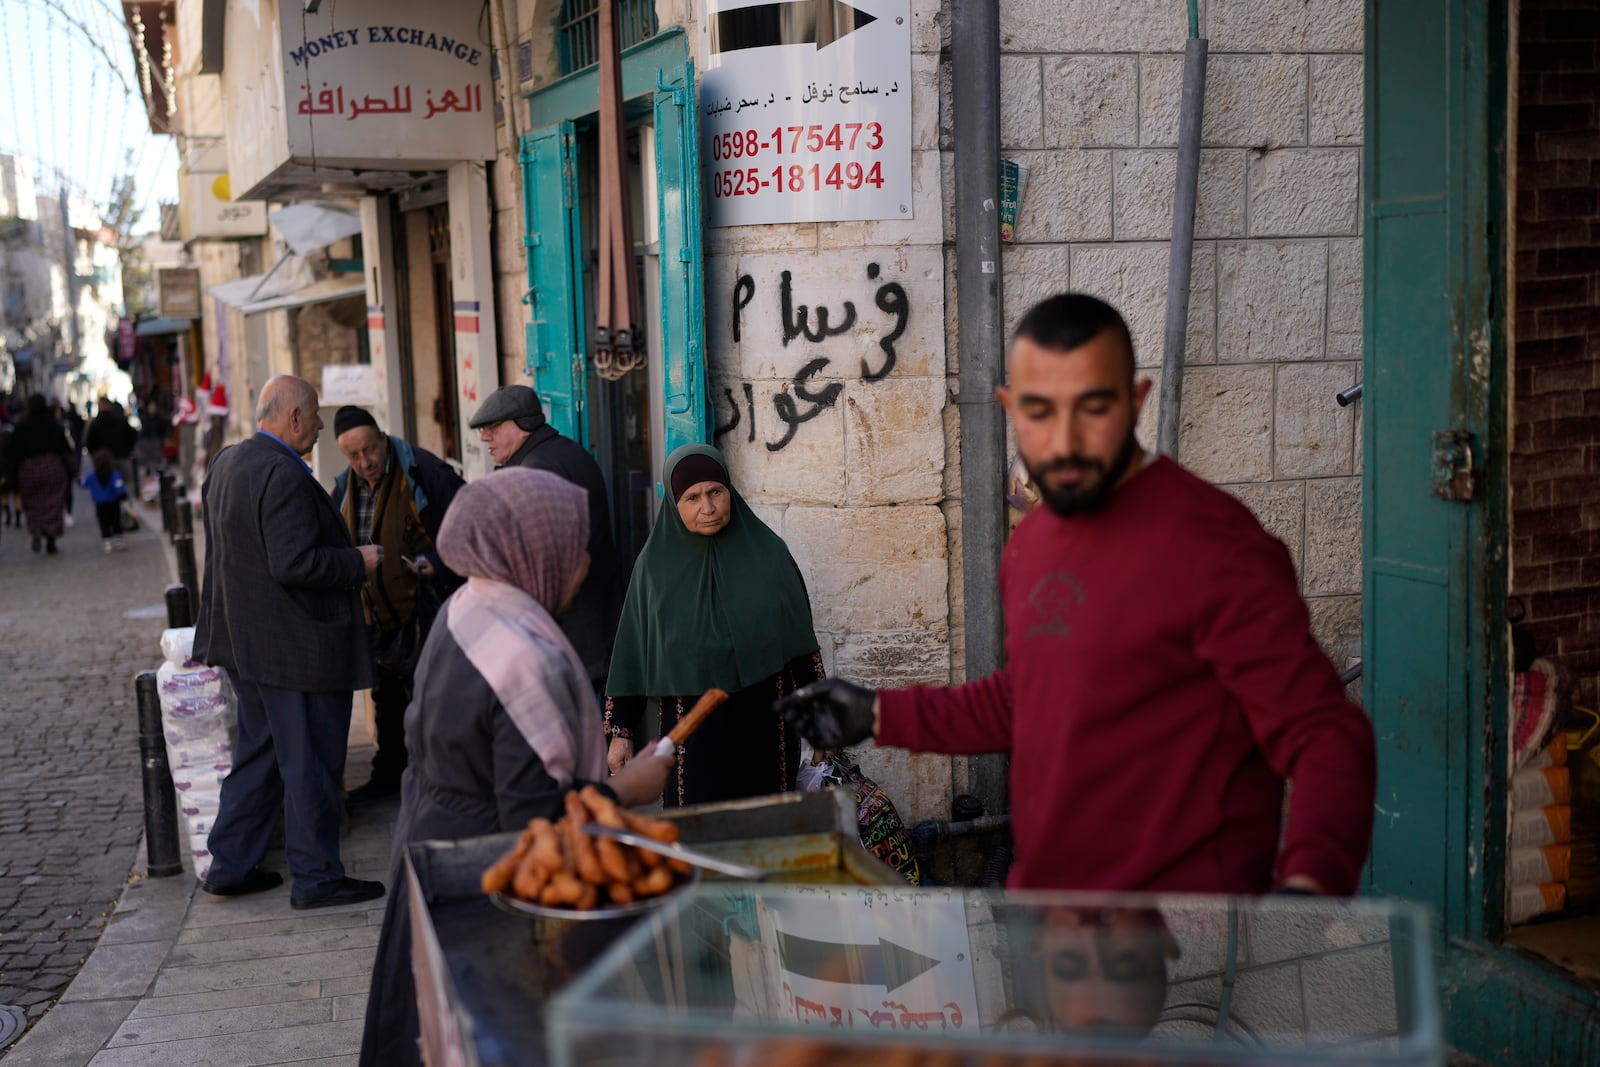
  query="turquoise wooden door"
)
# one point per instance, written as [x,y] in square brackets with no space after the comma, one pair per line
[556,351]
[1436,516]
[682,297]
[1432,177]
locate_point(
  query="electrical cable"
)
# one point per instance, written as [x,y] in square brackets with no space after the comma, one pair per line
[33,87]
[1234,1022]
[1228,973]
[83,27]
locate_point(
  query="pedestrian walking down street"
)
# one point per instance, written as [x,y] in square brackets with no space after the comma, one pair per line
[111,430]
[108,491]
[70,421]
[280,610]
[394,495]
[41,467]
[10,508]
[1161,680]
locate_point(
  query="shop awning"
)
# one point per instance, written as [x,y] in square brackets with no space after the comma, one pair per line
[309,227]
[290,284]
[335,288]
[162,327]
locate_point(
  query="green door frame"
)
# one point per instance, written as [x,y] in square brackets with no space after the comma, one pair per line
[659,75]
[1436,570]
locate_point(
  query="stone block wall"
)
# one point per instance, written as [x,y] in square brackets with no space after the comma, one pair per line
[841,444]
[1555,457]
[1090,105]
[1299,978]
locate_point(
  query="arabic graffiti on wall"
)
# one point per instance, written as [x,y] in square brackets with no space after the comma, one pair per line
[808,393]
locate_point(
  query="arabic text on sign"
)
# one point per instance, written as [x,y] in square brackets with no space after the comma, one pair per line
[332,102]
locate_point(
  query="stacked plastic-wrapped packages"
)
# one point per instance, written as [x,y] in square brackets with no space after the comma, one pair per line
[1540,862]
[199,716]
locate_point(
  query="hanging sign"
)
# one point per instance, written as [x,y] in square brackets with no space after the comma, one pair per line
[805,111]
[382,82]
[178,292]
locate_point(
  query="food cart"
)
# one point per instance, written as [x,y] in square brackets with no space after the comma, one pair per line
[835,962]
[484,975]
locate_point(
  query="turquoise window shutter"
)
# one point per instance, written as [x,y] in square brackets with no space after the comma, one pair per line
[682,298]
[557,352]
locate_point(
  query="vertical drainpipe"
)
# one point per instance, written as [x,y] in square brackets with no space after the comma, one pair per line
[1181,258]
[975,60]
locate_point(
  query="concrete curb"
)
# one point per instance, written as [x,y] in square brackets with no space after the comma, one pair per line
[118,973]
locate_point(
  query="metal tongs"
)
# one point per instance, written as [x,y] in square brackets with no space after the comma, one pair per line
[677,851]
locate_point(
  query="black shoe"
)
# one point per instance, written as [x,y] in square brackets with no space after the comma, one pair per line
[377,789]
[50,548]
[36,540]
[348,891]
[257,881]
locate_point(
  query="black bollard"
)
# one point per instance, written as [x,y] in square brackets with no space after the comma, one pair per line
[178,613]
[169,504]
[160,799]
[183,548]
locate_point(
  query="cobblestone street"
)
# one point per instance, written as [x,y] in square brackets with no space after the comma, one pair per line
[74,628]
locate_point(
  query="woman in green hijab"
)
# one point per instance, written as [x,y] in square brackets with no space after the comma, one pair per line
[715,600]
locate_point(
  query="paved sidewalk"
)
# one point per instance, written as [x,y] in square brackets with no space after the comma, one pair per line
[178,977]
[74,627]
[183,978]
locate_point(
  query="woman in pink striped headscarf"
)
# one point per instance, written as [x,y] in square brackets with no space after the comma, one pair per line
[503,722]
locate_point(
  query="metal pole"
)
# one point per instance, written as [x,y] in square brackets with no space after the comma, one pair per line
[160,800]
[1181,258]
[178,613]
[975,58]
[183,548]
[169,504]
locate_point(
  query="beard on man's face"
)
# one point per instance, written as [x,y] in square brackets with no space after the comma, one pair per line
[1091,491]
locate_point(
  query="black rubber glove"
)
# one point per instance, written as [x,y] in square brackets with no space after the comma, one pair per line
[830,714]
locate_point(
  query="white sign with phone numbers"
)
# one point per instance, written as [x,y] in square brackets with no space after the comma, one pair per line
[805,111]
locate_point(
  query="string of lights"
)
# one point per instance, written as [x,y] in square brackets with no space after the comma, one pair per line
[76,110]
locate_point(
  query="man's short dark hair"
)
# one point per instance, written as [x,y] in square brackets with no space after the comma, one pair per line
[1067,320]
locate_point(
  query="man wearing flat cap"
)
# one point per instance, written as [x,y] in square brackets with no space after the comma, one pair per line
[394,495]
[511,425]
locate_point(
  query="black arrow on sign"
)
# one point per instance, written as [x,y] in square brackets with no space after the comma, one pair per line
[815,22]
[885,963]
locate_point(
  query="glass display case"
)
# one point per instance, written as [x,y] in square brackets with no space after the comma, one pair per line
[793,976]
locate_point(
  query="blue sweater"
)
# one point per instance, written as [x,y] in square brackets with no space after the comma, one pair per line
[104,492]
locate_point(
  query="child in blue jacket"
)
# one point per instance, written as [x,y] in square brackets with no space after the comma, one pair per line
[108,491]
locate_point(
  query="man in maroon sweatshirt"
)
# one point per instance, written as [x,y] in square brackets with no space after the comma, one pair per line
[1161,681]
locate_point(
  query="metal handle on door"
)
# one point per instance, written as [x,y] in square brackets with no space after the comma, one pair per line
[1455,475]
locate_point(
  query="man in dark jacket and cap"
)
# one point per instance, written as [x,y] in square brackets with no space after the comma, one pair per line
[511,425]
[394,494]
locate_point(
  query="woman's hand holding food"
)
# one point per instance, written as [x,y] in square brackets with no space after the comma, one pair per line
[642,778]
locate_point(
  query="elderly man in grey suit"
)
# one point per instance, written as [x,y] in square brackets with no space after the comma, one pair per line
[280,610]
